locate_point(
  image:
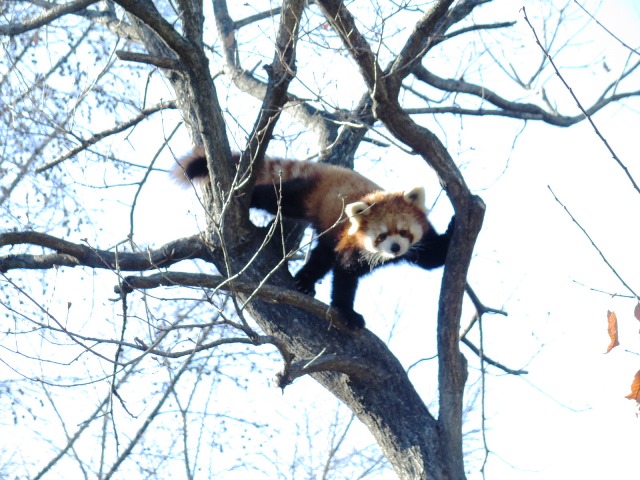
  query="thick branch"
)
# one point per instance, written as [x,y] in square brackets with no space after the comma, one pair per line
[72,254]
[469,213]
[417,45]
[523,111]
[324,363]
[269,293]
[166,63]
[148,13]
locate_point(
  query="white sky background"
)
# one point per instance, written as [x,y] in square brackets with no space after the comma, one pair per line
[568,417]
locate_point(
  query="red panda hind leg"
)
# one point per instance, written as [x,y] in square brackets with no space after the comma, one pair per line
[345,282]
[318,265]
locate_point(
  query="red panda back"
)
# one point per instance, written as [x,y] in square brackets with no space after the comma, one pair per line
[330,189]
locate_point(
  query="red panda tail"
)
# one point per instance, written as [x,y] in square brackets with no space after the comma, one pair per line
[191,167]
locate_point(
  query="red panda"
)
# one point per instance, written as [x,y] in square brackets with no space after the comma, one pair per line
[359,225]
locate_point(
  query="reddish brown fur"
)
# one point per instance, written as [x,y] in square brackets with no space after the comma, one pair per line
[333,188]
[329,182]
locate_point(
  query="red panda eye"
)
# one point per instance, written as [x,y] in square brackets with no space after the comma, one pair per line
[381,238]
[404,233]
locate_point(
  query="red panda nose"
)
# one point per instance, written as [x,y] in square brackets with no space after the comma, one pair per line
[395,247]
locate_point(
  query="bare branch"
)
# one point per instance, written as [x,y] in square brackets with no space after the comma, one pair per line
[72,254]
[151,417]
[324,363]
[160,62]
[344,24]
[147,112]
[615,272]
[323,123]
[237,25]
[82,427]
[281,71]
[523,111]
[477,27]
[146,11]
[46,17]
[494,363]
[480,307]
[267,292]
[417,45]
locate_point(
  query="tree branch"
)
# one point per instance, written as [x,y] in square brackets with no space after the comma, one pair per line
[167,63]
[324,363]
[417,45]
[281,71]
[613,270]
[147,112]
[45,18]
[269,293]
[147,12]
[72,254]
[523,111]
[237,25]
[344,25]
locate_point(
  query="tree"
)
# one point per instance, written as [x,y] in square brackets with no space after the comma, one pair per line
[56,131]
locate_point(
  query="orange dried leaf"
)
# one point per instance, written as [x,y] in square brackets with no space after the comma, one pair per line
[612,329]
[635,388]
[636,311]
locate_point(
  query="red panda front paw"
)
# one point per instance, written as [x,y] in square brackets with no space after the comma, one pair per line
[351,318]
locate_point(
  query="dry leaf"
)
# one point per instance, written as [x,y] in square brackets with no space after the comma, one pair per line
[635,388]
[612,329]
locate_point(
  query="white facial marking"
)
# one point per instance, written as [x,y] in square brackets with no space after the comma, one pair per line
[354,212]
[416,232]
[380,243]
[394,246]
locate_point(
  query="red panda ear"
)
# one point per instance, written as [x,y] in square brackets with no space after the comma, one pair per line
[416,197]
[354,212]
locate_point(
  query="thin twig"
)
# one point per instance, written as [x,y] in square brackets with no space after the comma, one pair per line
[593,244]
[147,112]
[488,360]
[606,29]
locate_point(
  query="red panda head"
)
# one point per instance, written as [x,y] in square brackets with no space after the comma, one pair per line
[386,224]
